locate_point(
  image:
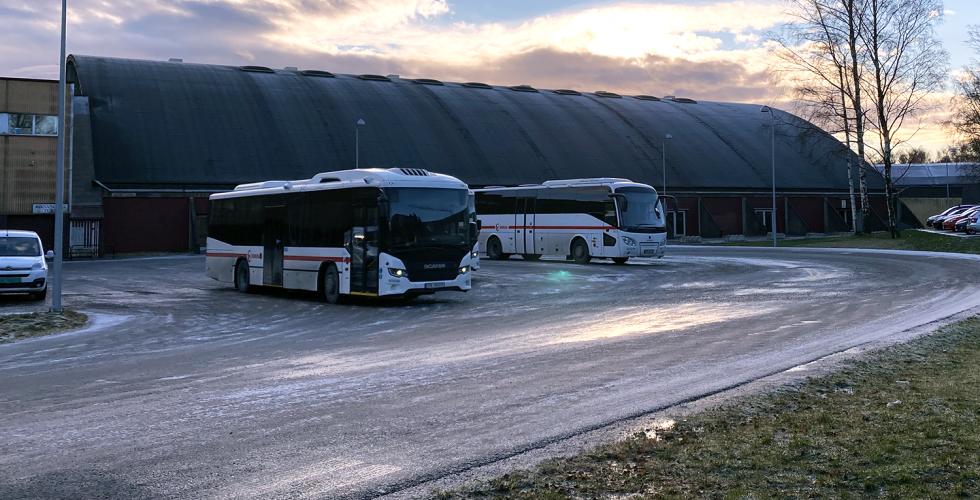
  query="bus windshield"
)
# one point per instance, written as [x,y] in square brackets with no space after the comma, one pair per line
[638,209]
[427,217]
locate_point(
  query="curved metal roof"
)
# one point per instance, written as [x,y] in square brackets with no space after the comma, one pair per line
[179,124]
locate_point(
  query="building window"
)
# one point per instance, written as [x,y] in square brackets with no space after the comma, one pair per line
[45,125]
[28,124]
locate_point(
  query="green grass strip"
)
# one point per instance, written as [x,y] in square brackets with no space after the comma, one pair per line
[901,423]
[14,327]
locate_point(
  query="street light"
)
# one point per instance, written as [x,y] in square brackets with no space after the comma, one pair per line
[947,183]
[772,121]
[59,178]
[357,142]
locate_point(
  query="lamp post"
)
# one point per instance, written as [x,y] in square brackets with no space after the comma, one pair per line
[357,141]
[947,183]
[59,182]
[772,122]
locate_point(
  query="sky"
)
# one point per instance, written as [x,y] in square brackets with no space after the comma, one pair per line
[703,49]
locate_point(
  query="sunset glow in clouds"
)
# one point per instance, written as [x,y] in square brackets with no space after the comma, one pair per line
[702,49]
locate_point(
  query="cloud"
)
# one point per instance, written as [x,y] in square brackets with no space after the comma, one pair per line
[714,50]
[651,74]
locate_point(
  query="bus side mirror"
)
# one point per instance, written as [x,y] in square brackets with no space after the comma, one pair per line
[474,230]
[49,254]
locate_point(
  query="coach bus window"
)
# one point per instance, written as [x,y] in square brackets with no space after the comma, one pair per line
[427,217]
[640,210]
[594,201]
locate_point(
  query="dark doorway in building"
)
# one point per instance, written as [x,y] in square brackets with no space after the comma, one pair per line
[274,244]
[677,223]
[764,216]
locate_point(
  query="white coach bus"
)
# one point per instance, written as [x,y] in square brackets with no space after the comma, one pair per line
[375,232]
[580,219]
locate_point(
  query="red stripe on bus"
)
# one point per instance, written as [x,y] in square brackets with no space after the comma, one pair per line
[558,227]
[318,258]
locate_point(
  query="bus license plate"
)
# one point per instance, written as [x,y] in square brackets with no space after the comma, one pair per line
[649,251]
[9,280]
[435,284]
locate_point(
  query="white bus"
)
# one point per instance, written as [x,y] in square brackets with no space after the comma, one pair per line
[579,219]
[371,232]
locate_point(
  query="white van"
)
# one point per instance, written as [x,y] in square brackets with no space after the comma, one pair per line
[23,265]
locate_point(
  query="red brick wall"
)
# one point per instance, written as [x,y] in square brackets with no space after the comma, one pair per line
[145,224]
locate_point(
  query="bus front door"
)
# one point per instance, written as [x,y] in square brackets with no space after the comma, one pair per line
[362,243]
[274,245]
[524,236]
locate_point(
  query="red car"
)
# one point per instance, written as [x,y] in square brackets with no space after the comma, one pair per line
[950,223]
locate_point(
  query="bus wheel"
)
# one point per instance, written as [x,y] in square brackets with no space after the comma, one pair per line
[580,252]
[495,250]
[531,256]
[241,276]
[331,284]
[620,260]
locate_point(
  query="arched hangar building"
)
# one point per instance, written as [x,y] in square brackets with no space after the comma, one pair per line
[152,139]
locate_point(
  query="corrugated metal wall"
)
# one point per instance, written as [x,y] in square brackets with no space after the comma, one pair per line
[27,176]
[27,163]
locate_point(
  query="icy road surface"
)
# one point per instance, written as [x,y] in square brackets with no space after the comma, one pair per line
[184,388]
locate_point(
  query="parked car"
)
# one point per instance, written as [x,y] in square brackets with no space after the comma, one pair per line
[23,264]
[974,226]
[931,221]
[939,221]
[949,223]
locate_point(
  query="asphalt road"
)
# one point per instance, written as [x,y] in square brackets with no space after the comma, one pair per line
[185,388]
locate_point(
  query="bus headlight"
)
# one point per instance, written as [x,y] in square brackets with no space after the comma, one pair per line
[464,269]
[398,273]
[630,242]
[474,255]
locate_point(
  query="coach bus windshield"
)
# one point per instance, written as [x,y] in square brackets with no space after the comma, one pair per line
[427,217]
[639,210]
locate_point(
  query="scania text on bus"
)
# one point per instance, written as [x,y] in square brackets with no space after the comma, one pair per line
[369,232]
[580,219]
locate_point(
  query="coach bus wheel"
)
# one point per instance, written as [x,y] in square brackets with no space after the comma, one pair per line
[495,250]
[531,256]
[241,276]
[580,252]
[331,284]
[620,260]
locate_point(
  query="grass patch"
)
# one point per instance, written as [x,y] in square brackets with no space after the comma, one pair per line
[909,240]
[900,423]
[14,327]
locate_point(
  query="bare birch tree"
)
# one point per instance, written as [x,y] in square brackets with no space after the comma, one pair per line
[905,64]
[823,44]
[966,117]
